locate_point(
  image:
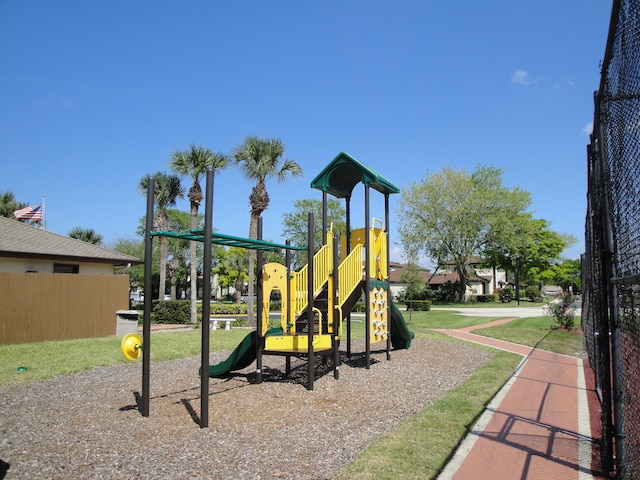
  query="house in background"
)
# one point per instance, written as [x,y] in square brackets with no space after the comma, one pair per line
[476,285]
[481,280]
[396,283]
[54,287]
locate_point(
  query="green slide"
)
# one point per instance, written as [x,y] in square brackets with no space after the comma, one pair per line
[243,355]
[401,336]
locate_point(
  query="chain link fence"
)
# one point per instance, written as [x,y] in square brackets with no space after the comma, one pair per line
[611,263]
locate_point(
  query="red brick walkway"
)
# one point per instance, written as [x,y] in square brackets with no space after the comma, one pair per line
[540,426]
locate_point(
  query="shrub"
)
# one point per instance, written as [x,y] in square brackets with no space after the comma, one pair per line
[359,307]
[171,311]
[136,306]
[562,311]
[419,305]
[275,305]
[506,294]
[487,298]
[429,295]
[228,309]
[447,292]
[533,294]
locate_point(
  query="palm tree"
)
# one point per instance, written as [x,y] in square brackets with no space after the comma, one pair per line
[8,204]
[260,159]
[194,163]
[167,191]
[86,235]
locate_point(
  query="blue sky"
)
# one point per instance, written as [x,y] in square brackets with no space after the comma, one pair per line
[95,95]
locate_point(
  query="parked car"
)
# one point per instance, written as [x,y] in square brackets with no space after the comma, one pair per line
[245,299]
[136,297]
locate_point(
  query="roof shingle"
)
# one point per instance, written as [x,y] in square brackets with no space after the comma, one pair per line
[19,240]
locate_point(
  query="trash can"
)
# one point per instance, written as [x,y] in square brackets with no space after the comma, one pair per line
[126,322]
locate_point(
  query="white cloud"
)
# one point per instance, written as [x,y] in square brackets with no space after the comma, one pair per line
[566,83]
[588,128]
[67,103]
[521,77]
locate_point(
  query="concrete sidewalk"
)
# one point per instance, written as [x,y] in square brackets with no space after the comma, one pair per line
[504,312]
[540,425]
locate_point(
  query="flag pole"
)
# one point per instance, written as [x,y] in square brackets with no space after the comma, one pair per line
[44,222]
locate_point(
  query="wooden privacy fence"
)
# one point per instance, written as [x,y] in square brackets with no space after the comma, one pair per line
[52,306]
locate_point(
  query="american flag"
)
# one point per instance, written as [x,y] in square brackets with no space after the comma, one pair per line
[29,213]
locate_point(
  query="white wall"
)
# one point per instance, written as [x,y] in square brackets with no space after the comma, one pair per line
[21,265]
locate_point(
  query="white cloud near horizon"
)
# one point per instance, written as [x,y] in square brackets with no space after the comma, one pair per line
[588,128]
[66,103]
[521,77]
[566,83]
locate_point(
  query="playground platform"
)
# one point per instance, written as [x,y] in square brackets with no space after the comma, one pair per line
[543,424]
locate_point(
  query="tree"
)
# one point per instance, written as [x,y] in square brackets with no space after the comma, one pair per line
[261,159]
[274,256]
[523,245]
[167,191]
[416,287]
[194,163]
[86,235]
[295,228]
[9,204]
[566,274]
[135,248]
[176,249]
[449,215]
[232,270]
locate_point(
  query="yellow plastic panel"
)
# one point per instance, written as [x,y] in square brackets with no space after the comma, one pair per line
[296,343]
[274,277]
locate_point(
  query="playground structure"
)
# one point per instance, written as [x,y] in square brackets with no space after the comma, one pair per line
[316,301]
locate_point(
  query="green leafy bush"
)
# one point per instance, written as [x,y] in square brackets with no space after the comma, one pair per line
[359,307]
[562,311]
[447,292]
[488,298]
[506,294]
[419,305]
[226,309]
[533,293]
[171,311]
[275,306]
[136,306]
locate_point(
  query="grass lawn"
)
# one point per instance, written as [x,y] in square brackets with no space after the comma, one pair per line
[537,332]
[48,359]
[417,448]
[421,322]
[511,304]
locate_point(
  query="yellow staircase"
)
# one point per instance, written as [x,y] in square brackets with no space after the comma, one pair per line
[323,321]
[296,304]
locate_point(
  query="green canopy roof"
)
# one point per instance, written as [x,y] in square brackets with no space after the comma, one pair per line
[344,172]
